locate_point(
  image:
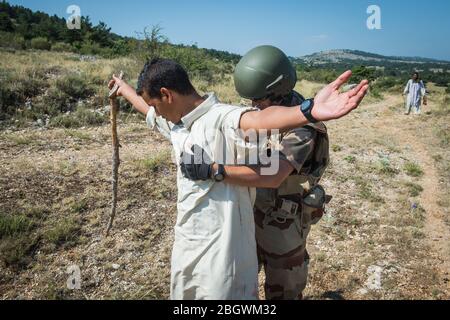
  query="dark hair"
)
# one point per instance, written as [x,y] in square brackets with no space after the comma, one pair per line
[163,73]
[417,74]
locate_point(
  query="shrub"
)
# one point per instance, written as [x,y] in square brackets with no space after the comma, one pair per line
[64,231]
[365,191]
[375,92]
[79,205]
[159,161]
[121,48]
[13,225]
[75,86]
[361,72]
[17,242]
[7,99]
[17,251]
[89,47]
[62,47]
[15,90]
[81,117]
[384,167]
[387,83]
[197,63]
[5,22]
[414,189]
[316,74]
[65,121]
[40,43]
[13,41]
[413,169]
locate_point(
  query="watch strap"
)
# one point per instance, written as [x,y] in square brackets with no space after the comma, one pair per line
[307,113]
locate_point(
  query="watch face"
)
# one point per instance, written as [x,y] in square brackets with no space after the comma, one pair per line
[306,105]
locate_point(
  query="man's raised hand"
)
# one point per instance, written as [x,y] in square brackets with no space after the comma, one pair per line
[330,104]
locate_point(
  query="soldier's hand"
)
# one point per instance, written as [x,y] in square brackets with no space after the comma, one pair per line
[196,165]
[331,104]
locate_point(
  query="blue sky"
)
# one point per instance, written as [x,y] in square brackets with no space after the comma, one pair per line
[299,27]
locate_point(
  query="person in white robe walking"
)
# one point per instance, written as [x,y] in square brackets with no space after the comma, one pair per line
[415,91]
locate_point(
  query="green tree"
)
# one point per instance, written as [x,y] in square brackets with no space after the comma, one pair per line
[151,44]
[121,47]
[101,34]
[5,22]
[361,72]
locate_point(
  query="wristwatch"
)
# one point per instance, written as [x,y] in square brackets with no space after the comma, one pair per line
[306,108]
[219,175]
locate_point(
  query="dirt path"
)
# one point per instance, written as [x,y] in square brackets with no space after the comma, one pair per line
[408,132]
[354,223]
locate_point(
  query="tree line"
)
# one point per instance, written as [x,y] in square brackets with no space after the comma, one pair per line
[21,28]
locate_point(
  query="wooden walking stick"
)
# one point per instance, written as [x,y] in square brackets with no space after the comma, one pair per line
[115,157]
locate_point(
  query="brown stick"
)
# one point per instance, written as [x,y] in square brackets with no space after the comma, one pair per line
[115,157]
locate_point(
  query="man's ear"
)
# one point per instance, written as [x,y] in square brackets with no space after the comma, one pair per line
[166,94]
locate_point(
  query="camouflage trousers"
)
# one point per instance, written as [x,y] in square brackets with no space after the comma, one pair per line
[282,252]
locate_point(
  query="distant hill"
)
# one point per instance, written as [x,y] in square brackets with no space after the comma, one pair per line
[22,29]
[345,56]
[324,66]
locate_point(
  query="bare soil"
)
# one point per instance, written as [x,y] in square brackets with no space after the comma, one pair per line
[378,240]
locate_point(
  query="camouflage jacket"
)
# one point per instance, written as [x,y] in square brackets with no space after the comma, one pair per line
[296,147]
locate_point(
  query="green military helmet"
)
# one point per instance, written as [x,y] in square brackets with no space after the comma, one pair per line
[264,72]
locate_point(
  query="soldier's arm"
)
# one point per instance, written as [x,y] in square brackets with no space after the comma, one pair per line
[330,104]
[253,177]
[296,146]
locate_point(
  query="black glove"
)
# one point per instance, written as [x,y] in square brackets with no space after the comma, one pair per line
[196,166]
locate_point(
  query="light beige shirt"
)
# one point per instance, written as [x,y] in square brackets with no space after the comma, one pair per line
[154,121]
[214,253]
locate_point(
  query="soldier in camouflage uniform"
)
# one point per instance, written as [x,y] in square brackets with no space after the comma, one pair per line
[285,211]
[283,216]
[283,219]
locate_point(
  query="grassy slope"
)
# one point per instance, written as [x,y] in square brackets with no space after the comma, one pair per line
[34,84]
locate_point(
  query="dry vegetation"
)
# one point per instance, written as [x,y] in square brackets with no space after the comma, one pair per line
[388,221]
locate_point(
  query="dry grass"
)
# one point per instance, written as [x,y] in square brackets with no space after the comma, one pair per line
[55,193]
